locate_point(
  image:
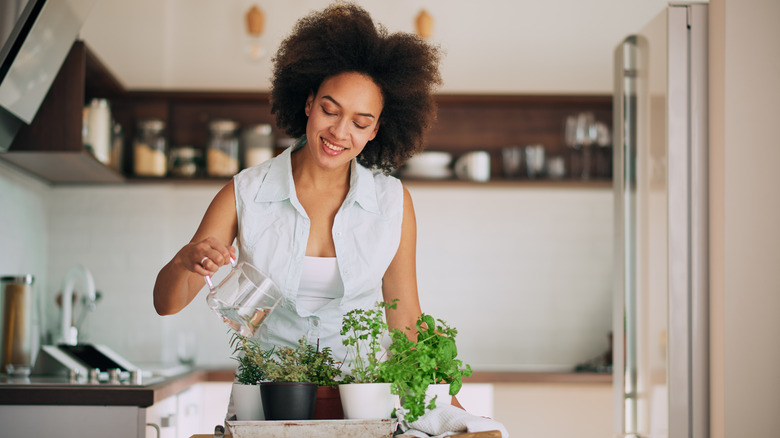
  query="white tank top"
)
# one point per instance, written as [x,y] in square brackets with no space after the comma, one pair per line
[320,284]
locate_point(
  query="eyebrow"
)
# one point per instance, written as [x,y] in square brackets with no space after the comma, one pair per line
[339,105]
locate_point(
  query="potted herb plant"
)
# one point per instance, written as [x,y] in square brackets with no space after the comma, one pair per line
[415,366]
[293,374]
[249,373]
[324,371]
[365,394]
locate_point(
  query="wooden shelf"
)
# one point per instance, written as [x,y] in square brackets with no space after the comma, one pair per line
[51,146]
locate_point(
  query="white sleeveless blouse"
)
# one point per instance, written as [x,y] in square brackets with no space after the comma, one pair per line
[273,231]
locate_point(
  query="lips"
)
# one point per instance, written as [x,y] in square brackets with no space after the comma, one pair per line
[331,148]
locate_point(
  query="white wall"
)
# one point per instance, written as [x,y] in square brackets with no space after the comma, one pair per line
[24,236]
[501,46]
[524,274]
[745,213]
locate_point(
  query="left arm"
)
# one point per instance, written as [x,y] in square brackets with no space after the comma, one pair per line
[400,280]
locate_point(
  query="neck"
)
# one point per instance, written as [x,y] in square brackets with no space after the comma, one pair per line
[306,173]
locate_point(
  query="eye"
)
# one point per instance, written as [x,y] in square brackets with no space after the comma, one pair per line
[327,112]
[360,126]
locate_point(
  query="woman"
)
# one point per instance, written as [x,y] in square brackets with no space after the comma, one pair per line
[324,219]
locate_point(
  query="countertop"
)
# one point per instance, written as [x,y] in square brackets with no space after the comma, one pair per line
[57,391]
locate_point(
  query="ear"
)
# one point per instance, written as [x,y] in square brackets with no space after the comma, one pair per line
[309,103]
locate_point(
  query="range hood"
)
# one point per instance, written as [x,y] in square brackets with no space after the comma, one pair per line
[40,38]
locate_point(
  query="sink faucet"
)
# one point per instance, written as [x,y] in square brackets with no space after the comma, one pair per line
[69,334]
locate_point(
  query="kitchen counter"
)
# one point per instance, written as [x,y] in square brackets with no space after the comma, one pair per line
[58,391]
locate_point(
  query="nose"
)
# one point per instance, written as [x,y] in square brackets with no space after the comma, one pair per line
[339,128]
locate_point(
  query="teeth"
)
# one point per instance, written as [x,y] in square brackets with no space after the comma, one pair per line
[332,146]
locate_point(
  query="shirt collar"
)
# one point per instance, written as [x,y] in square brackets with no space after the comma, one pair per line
[278,184]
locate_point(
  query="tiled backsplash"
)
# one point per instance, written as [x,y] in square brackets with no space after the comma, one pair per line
[523,273]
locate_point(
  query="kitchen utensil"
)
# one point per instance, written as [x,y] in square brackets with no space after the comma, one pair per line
[474,166]
[244,298]
[534,160]
[18,311]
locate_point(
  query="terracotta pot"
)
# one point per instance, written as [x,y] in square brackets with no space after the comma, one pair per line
[288,400]
[328,406]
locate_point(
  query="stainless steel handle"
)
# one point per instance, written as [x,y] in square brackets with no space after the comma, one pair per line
[155,427]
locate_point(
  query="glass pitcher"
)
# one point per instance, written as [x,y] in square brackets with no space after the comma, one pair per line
[244,298]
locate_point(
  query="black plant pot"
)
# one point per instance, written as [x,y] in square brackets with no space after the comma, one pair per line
[288,400]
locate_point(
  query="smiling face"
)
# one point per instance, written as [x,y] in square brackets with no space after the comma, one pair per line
[343,117]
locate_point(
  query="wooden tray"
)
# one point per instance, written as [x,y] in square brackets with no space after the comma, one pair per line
[313,429]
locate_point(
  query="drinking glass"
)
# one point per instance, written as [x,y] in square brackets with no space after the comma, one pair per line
[186,348]
[585,135]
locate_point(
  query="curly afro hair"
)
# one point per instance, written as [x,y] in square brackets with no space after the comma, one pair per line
[343,38]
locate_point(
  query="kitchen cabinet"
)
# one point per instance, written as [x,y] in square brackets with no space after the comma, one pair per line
[51,146]
[178,416]
[173,407]
[161,418]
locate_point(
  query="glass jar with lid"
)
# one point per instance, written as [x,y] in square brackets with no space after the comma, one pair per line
[222,149]
[258,144]
[184,161]
[150,149]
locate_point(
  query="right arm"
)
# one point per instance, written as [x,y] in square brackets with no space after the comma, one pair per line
[182,278]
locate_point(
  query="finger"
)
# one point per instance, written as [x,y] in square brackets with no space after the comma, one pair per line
[207,263]
[200,270]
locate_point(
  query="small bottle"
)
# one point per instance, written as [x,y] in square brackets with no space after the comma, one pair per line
[258,143]
[100,129]
[150,149]
[222,149]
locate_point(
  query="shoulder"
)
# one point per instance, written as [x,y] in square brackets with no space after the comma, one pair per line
[386,191]
[249,182]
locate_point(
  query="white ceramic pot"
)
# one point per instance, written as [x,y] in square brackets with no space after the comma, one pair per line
[442,393]
[367,400]
[247,402]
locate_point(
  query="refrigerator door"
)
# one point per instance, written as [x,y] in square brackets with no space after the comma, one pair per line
[661,366]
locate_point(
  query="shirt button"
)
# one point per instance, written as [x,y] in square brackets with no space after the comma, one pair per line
[316,322]
[338,233]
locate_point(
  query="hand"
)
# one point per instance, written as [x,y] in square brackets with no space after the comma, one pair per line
[206,256]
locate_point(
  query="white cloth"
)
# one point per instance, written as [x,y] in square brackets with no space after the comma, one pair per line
[448,420]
